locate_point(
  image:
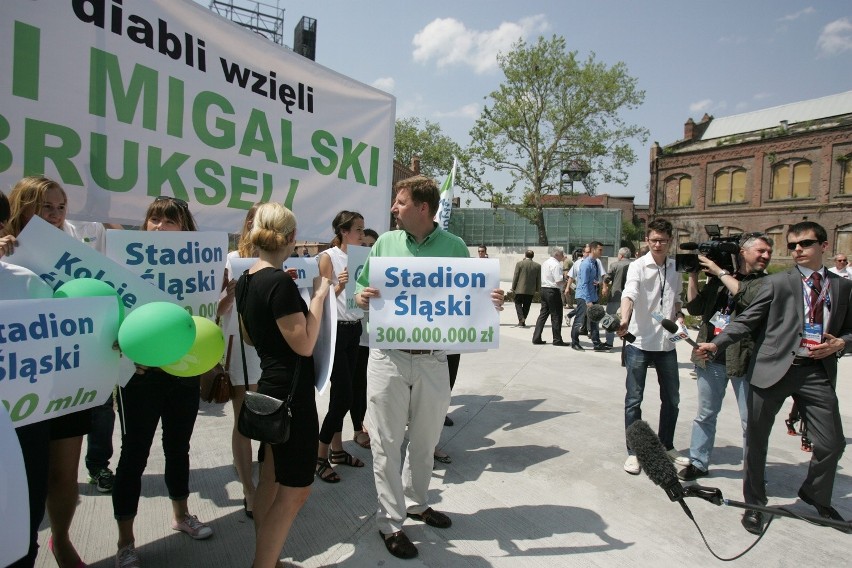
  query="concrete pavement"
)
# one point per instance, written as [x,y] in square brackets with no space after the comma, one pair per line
[536,480]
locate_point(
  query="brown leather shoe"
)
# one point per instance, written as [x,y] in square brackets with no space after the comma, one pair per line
[432,518]
[399,545]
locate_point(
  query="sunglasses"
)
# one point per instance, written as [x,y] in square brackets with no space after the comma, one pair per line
[179,202]
[804,243]
[844,261]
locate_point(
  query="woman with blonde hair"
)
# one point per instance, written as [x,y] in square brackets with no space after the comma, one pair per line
[284,331]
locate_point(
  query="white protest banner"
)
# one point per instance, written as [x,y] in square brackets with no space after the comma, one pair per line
[306,268]
[57,258]
[14,495]
[355,260]
[434,303]
[121,102]
[57,356]
[186,265]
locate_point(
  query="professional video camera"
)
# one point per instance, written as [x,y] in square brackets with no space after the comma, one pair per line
[719,249]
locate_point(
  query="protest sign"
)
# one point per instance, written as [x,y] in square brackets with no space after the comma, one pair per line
[356,257]
[56,356]
[186,265]
[121,102]
[58,258]
[14,495]
[434,303]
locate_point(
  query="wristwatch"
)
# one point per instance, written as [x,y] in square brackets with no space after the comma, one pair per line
[723,273]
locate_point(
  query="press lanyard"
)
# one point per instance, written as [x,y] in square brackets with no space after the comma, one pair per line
[663,277]
[824,295]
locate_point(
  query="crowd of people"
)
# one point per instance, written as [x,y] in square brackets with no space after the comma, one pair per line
[770,337]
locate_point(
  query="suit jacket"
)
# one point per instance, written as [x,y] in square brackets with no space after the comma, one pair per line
[527,279]
[777,317]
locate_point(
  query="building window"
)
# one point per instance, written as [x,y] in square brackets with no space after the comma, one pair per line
[777,235]
[791,179]
[679,191]
[846,176]
[729,186]
[844,240]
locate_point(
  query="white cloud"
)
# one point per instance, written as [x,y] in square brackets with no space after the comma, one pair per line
[449,42]
[467,111]
[386,84]
[701,106]
[796,15]
[836,37]
[761,96]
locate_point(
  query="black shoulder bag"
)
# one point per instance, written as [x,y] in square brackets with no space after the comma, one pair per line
[262,417]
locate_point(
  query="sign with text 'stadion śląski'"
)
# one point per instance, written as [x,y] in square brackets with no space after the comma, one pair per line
[434,303]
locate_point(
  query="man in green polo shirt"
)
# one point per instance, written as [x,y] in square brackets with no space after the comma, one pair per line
[408,387]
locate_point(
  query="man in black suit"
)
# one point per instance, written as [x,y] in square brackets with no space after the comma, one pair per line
[526,282]
[802,319]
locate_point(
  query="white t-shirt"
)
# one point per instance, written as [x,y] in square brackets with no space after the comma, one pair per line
[843,273]
[90,232]
[338,263]
[19,283]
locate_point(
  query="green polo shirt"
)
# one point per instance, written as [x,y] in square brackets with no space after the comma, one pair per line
[438,243]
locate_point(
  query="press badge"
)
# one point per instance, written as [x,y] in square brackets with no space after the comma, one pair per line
[720,321]
[657,316]
[811,337]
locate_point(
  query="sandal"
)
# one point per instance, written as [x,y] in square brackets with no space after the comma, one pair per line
[325,471]
[807,445]
[791,426]
[345,458]
[443,458]
[362,439]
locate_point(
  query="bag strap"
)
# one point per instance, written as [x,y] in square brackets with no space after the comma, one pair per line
[228,354]
[243,347]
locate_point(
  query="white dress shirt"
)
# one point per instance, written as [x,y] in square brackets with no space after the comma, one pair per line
[647,284]
[551,274]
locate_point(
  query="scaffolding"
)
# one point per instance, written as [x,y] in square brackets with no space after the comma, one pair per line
[261,18]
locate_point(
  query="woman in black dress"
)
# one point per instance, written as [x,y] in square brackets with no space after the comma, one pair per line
[284,331]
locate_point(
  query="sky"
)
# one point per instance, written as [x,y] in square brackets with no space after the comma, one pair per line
[439,58]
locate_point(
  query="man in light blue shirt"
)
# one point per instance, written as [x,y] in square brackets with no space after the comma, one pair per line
[588,280]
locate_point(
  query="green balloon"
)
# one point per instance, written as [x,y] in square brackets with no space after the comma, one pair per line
[89,288]
[156,334]
[206,351]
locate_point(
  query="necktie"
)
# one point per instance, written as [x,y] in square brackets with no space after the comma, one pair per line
[816,288]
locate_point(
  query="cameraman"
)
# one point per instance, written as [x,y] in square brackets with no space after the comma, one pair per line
[724,296]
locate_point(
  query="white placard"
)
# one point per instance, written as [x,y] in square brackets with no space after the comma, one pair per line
[356,257]
[306,270]
[186,265]
[14,495]
[121,102]
[57,356]
[434,303]
[57,258]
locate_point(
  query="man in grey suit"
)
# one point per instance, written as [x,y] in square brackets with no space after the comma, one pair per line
[525,283]
[802,319]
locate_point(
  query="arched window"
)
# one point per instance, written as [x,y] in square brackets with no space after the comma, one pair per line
[844,240]
[791,179]
[678,191]
[846,175]
[777,235]
[729,186]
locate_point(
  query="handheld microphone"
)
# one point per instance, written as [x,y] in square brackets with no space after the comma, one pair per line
[672,327]
[652,457]
[609,322]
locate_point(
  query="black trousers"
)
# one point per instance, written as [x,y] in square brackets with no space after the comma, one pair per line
[814,394]
[342,373]
[551,305]
[35,443]
[522,305]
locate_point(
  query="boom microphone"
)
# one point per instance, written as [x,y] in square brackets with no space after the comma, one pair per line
[653,458]
[596,313]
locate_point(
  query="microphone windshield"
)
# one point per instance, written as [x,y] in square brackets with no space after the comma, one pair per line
[596,313]
[652,457]
[669,326]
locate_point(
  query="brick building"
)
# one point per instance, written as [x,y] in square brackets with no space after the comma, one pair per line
[760,171]
[636,214]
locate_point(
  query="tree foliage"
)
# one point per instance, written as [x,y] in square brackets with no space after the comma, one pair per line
[436,150]
[551,110]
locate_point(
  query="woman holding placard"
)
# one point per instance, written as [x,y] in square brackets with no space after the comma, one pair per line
[284,331]
[240,445]
[31,196]
[153,395]
[348,230]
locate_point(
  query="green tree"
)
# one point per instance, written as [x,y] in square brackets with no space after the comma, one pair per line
[550,112]
[436,149]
